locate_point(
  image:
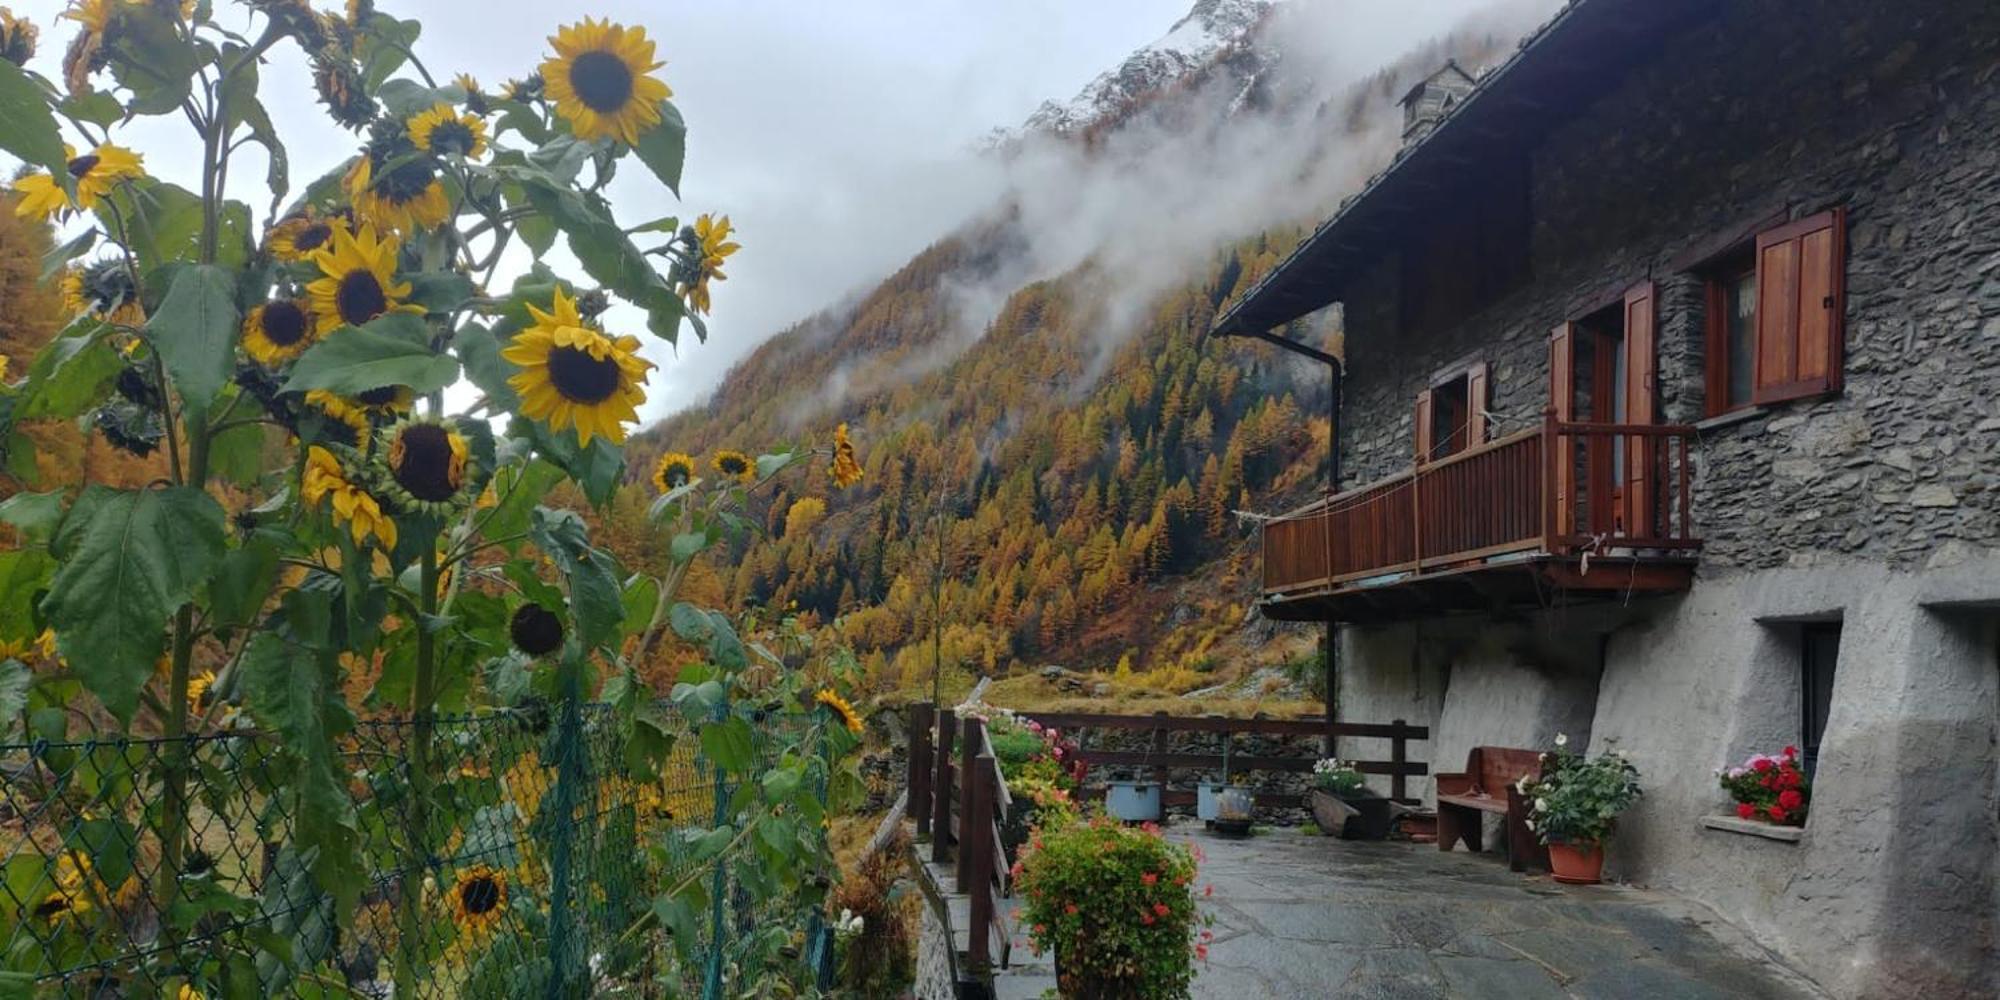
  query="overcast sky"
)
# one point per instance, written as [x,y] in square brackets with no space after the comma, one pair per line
[834,134]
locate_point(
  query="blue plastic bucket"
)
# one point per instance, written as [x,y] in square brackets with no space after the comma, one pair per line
[1133,801]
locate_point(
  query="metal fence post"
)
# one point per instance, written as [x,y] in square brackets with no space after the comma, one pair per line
[718,929]
[562,834]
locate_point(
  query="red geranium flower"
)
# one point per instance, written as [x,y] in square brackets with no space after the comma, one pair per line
[1150,878]
[1146,918]
[1778,813]
[1745,810]
[1763,764]
[1162,909]
[1791,751]
[1790,799]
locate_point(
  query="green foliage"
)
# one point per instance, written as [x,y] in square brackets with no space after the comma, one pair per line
[1576,800]
[194,331]
[27,127]
[393,350]
[1116,905]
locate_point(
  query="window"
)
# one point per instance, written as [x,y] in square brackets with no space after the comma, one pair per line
[1451,415]
[1774,315]
[1819,650]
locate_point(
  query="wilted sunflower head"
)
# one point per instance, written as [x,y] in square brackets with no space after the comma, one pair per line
[17,38]
[395,191]
[104,289]
[735,465]
[429,466]
[479,898]
[340,87]
[673,471]
[846,471]
[442,131]
[575,376]
[358,279]
[303,233]
[599,83]
[344,422]
[277,331]
[536,630]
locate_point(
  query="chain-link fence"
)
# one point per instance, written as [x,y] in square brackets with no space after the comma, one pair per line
[521,874]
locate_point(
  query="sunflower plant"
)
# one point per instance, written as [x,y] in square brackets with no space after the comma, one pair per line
[326,526]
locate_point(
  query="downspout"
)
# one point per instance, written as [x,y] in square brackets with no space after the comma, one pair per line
[1336,374]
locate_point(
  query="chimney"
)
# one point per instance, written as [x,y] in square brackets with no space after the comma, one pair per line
[1433,98]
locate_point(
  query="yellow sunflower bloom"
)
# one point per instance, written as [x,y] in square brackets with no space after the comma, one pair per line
[103,289]
[735,465]
[841,709]
[95,174]
[479,898]
[442,131]
[341,411]
[712,246]
[198,688]
[324,479]
[427,464]
[359,280]
[401,201]
[296,237]
[574,376]
[277,331]
[673,471]
[845,471]
[599,83]
[387,400]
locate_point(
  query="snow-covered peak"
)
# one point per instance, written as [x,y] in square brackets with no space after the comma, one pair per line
[1193,42]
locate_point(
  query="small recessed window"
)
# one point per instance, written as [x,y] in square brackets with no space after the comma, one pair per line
[1819,652]
[1739,318]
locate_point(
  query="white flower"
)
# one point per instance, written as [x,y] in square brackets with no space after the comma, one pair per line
[1562,740]
[1521,785]
[1541,805]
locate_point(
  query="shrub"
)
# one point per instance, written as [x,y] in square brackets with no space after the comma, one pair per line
[1337,776]
[1576,800]
[878,959]
[1774,789]
[1117,906]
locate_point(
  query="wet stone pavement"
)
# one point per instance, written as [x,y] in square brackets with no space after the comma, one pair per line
[1302,916]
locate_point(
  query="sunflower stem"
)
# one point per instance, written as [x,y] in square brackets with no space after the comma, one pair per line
[410,901]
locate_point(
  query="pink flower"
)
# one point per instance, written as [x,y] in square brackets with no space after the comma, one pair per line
[1150,878]
[1208,935]
[1201,952]
[1146,918]
[1070,908]
[1208,890]
[1162,909]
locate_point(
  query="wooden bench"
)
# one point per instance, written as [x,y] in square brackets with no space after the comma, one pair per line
[1487,786]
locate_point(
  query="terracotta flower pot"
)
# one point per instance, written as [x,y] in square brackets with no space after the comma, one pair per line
[1577,864]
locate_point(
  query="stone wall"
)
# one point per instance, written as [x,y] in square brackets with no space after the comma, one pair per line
[1888,110]
[934,968]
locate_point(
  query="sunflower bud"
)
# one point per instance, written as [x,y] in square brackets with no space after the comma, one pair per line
[17,38]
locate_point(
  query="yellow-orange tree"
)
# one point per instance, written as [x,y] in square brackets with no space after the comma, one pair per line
[396,536]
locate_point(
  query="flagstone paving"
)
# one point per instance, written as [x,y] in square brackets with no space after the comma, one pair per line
[1302,916]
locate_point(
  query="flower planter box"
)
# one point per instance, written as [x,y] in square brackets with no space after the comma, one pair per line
[1208,799]
[1360,815]
[1133,801]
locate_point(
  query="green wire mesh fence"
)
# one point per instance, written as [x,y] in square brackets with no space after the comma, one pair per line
[522,874]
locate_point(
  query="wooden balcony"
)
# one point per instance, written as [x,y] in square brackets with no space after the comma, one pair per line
[1559,514]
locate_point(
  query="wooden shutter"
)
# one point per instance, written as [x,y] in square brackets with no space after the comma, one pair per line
[1476,431]
[1562,400]
[1800,302]
[1641,407]
[1423,426]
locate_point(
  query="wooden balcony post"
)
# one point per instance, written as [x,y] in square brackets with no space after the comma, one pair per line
[941,793]
[1553,453]
[969,747]
[923,717]
[983,784]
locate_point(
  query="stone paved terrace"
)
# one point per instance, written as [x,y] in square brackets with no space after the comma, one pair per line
[1301,916]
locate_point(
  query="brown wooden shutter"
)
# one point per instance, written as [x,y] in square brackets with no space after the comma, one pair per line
[1800,302]
[1641,407]
[1476,431]
[1562,399]
[1423,426]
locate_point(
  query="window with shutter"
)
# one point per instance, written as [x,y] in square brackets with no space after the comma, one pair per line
[1800,302]
[1451,414]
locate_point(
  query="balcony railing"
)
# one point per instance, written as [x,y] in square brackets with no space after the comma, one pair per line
[1560,489]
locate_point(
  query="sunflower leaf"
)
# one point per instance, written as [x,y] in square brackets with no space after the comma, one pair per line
[663,149]
[24,573]
[27,129]
[391,350]
[150,59]
[194,330]
[68,376]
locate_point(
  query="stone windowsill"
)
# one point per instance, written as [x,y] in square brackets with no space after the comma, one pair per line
[1730,419]
[1754,828]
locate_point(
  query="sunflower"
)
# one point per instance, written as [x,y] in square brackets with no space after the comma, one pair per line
[297,236]
[734,465]
[198,688]
[598,81]
[536,630]
[277,331]
[359,280]
[845,470]
[103,289]
[428,467]
[840,708]
[95,174]
[402,200]
[341,89]
[673,471]
[444,132]
[342,415]
[388,400]
[479,898]
[325,478]
[574,376]
[708,247]
[17,38]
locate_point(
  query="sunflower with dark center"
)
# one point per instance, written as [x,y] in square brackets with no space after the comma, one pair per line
[300,235]
[673,471]
[841,709]
[599,83]
[429,467]
[277,331]
[479,898]
[358,280]
[325,478]
[95,174]
[388,400]
[574,376]
[444,132]
[708,248]
[340,88]
[400,198]
[536,630]
[103,289]
[735,465]
[17,38]
[344,422]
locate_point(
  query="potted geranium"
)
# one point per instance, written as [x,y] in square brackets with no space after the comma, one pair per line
[1343,805]
[1573,805]
[1770,789]
[1117,906]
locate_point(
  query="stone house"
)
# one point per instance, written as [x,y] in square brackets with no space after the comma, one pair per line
[1670,420]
